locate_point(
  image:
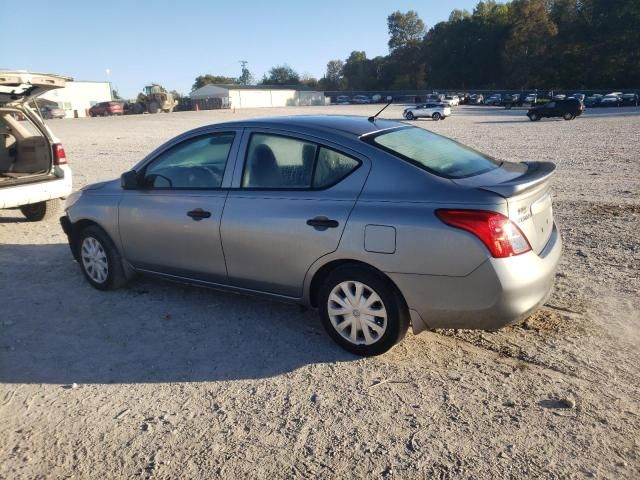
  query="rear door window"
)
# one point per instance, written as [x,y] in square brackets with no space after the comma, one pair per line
[436,154]
[279,162]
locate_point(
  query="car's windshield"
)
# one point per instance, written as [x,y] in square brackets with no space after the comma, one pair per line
[434,153]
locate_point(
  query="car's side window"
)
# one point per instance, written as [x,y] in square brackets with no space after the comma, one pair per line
[332,167]
[197,163]
[277,162]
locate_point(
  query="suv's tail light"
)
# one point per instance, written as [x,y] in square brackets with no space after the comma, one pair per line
[501,236]
[59,157]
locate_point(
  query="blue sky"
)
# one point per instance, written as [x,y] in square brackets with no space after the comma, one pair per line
[173,42]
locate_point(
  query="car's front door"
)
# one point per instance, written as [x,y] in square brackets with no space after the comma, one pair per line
[549,109]
[171,224]
[291,199]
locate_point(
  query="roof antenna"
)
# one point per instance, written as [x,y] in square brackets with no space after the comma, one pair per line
[373,119]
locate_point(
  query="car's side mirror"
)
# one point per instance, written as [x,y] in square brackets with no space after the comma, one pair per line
[129,180]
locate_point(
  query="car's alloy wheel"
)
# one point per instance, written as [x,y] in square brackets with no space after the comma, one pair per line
[410,116]
[534,117]
[436,116]
[567,116]
[362,311]
[94,260]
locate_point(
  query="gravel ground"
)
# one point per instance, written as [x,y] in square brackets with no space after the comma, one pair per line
[167,381]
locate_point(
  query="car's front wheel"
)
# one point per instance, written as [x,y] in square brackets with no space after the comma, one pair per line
[534,117]
[436,116]
[409,116]
[99,259]
[362,311]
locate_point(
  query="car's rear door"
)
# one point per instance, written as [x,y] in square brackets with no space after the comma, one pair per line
[290,201]
[171,225]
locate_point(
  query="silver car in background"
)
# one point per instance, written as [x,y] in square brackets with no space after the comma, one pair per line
[378,224]
[436,111]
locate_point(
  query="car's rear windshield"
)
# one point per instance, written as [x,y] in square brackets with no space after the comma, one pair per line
[436,154]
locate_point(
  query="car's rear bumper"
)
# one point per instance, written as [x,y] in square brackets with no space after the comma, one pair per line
[47,188]
[499,292]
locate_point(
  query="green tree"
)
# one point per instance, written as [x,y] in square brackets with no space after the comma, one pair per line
[334,77]
[203,80]
[246,78]
[405,29]
[281,75]
[526,52]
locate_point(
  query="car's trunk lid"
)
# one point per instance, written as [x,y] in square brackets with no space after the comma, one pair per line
[21,87]
[525,186]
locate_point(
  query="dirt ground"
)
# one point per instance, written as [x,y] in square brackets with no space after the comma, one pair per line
[168,381]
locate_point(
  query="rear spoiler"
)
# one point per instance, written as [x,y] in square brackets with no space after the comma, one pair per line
[537,173]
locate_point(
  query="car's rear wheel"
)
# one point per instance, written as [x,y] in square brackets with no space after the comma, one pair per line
[409,116]
[362,311]
[436,116]
[99,259]
[36,212]
[568,116]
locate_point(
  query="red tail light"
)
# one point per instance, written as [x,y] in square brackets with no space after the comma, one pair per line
[501,236]
[59,157]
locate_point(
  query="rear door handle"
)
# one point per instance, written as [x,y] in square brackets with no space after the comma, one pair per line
[198,214]
[322,223]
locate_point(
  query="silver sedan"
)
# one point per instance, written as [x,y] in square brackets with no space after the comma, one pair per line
[377,224]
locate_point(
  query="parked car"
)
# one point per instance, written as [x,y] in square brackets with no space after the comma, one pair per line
[50,112]
[630,99]
[476,99]
[105,109]
[377,98]
[342,100]
[531,98]
[467,242]
[593,100]
[494,100]
[451,100]
[34,174]
[567,109]
[436,111]
[579,96]
[611,100]
[361,99]
[559,96]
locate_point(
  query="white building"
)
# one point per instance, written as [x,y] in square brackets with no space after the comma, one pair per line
[252,96]
[78,96]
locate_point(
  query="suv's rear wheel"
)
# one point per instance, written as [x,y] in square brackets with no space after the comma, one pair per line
[361,311]
[41,210]
[99,259]
[568,116]
[436,116]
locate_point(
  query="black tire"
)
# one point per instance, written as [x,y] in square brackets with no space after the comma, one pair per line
[534,117]
[397,315]
[115,277]
[36,212]
[410,116]
[154,107]
[568,116]
[436,116]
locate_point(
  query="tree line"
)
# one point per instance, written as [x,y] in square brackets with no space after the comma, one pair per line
[521,44]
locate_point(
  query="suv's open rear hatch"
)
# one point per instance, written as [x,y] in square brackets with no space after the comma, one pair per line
[22,87]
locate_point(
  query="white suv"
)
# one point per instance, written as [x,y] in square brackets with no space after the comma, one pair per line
[34,175]
[437,111]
